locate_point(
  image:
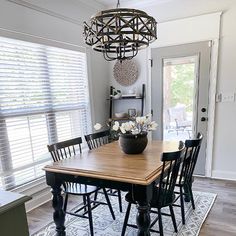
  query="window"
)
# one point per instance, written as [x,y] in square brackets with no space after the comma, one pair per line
[43,99]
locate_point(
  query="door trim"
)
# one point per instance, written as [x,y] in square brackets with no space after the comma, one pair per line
[212,98]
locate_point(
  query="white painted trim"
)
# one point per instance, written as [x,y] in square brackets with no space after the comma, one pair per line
[225,175]
[211,107]
[90,84]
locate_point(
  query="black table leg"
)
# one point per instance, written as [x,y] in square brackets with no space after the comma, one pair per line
[143,219]
[57,202]
[59,214]
[142,195]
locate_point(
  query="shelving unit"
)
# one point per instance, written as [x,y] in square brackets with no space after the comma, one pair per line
[112,100]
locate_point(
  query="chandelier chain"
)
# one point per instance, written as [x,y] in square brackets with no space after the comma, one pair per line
[118,4]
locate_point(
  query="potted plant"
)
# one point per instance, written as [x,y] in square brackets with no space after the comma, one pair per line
[132,134]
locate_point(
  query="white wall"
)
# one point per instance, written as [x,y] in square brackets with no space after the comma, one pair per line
[61,22]
[174,32]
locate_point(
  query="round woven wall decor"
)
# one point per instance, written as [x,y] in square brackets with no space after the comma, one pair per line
[125,72]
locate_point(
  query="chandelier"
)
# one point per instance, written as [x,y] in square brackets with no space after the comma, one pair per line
[119,33]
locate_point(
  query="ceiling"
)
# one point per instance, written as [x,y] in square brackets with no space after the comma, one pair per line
[126,3]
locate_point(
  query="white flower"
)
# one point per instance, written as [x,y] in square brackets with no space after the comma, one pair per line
[126,126]
[152,126]
[135,131]
[132,124]
[149,118]
[116,126]
[141,120]
[97,126]
[122,129]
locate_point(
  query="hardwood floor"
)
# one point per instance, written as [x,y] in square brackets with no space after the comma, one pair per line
[221,220]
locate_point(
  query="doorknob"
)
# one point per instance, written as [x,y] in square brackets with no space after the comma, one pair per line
[204,119]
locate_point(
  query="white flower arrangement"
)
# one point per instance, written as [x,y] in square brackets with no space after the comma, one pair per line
[139,125]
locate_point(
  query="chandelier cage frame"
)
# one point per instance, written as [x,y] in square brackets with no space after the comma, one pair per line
[120,33]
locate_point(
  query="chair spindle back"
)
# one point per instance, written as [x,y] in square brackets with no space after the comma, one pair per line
[65,149]
[190,158]
[170,168]
[96,140]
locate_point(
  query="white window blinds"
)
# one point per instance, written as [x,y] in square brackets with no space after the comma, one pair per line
[43,99]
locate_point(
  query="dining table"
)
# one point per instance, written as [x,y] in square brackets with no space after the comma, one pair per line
[108,166]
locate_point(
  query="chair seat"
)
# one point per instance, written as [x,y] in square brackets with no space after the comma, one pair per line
[79,189]
[157,202]
[178,182]
[181,183]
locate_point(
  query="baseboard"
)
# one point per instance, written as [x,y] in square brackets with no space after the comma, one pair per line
[38,190]
[225,175]
[38,199]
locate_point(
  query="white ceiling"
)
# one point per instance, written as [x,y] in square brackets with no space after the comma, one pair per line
[131,3]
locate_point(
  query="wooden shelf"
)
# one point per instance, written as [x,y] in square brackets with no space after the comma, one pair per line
[126,97]
[122,98]
[116,118]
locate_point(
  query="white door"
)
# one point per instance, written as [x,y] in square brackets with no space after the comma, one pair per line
[180,85]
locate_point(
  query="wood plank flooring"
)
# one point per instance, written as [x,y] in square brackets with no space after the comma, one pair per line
[221,220]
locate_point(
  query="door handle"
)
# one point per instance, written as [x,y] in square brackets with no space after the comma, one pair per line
[204,118]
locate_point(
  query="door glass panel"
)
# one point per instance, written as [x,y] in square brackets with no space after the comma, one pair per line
[179,82]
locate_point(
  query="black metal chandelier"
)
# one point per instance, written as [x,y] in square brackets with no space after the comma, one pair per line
[119,33]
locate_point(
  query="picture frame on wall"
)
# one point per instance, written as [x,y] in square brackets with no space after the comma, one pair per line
[132,112]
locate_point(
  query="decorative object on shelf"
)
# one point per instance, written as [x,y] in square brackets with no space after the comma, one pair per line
[120,114]
[116,93]
[125,72]
[119,33]
[132,112]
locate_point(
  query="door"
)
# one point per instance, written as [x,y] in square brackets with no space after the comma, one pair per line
[179,93]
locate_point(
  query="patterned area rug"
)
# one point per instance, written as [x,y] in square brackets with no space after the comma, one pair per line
[104,225]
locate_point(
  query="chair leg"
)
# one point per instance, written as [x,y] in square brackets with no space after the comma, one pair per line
[90,215]
[65,203]
[191,197]
[95,197]
[126,220]
[109,203]
[119,199]
[160,222]
[173,218]
[182,205]
[84,201]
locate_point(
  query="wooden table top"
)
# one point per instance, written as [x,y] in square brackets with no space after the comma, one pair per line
[110,163]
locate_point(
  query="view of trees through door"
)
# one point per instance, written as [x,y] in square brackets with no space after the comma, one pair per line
[179,76]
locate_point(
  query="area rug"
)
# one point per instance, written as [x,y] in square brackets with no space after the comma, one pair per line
[104,225]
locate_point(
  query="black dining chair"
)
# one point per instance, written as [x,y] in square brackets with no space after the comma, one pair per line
[96,140]
[66,149]
[185,178]
[163,193]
